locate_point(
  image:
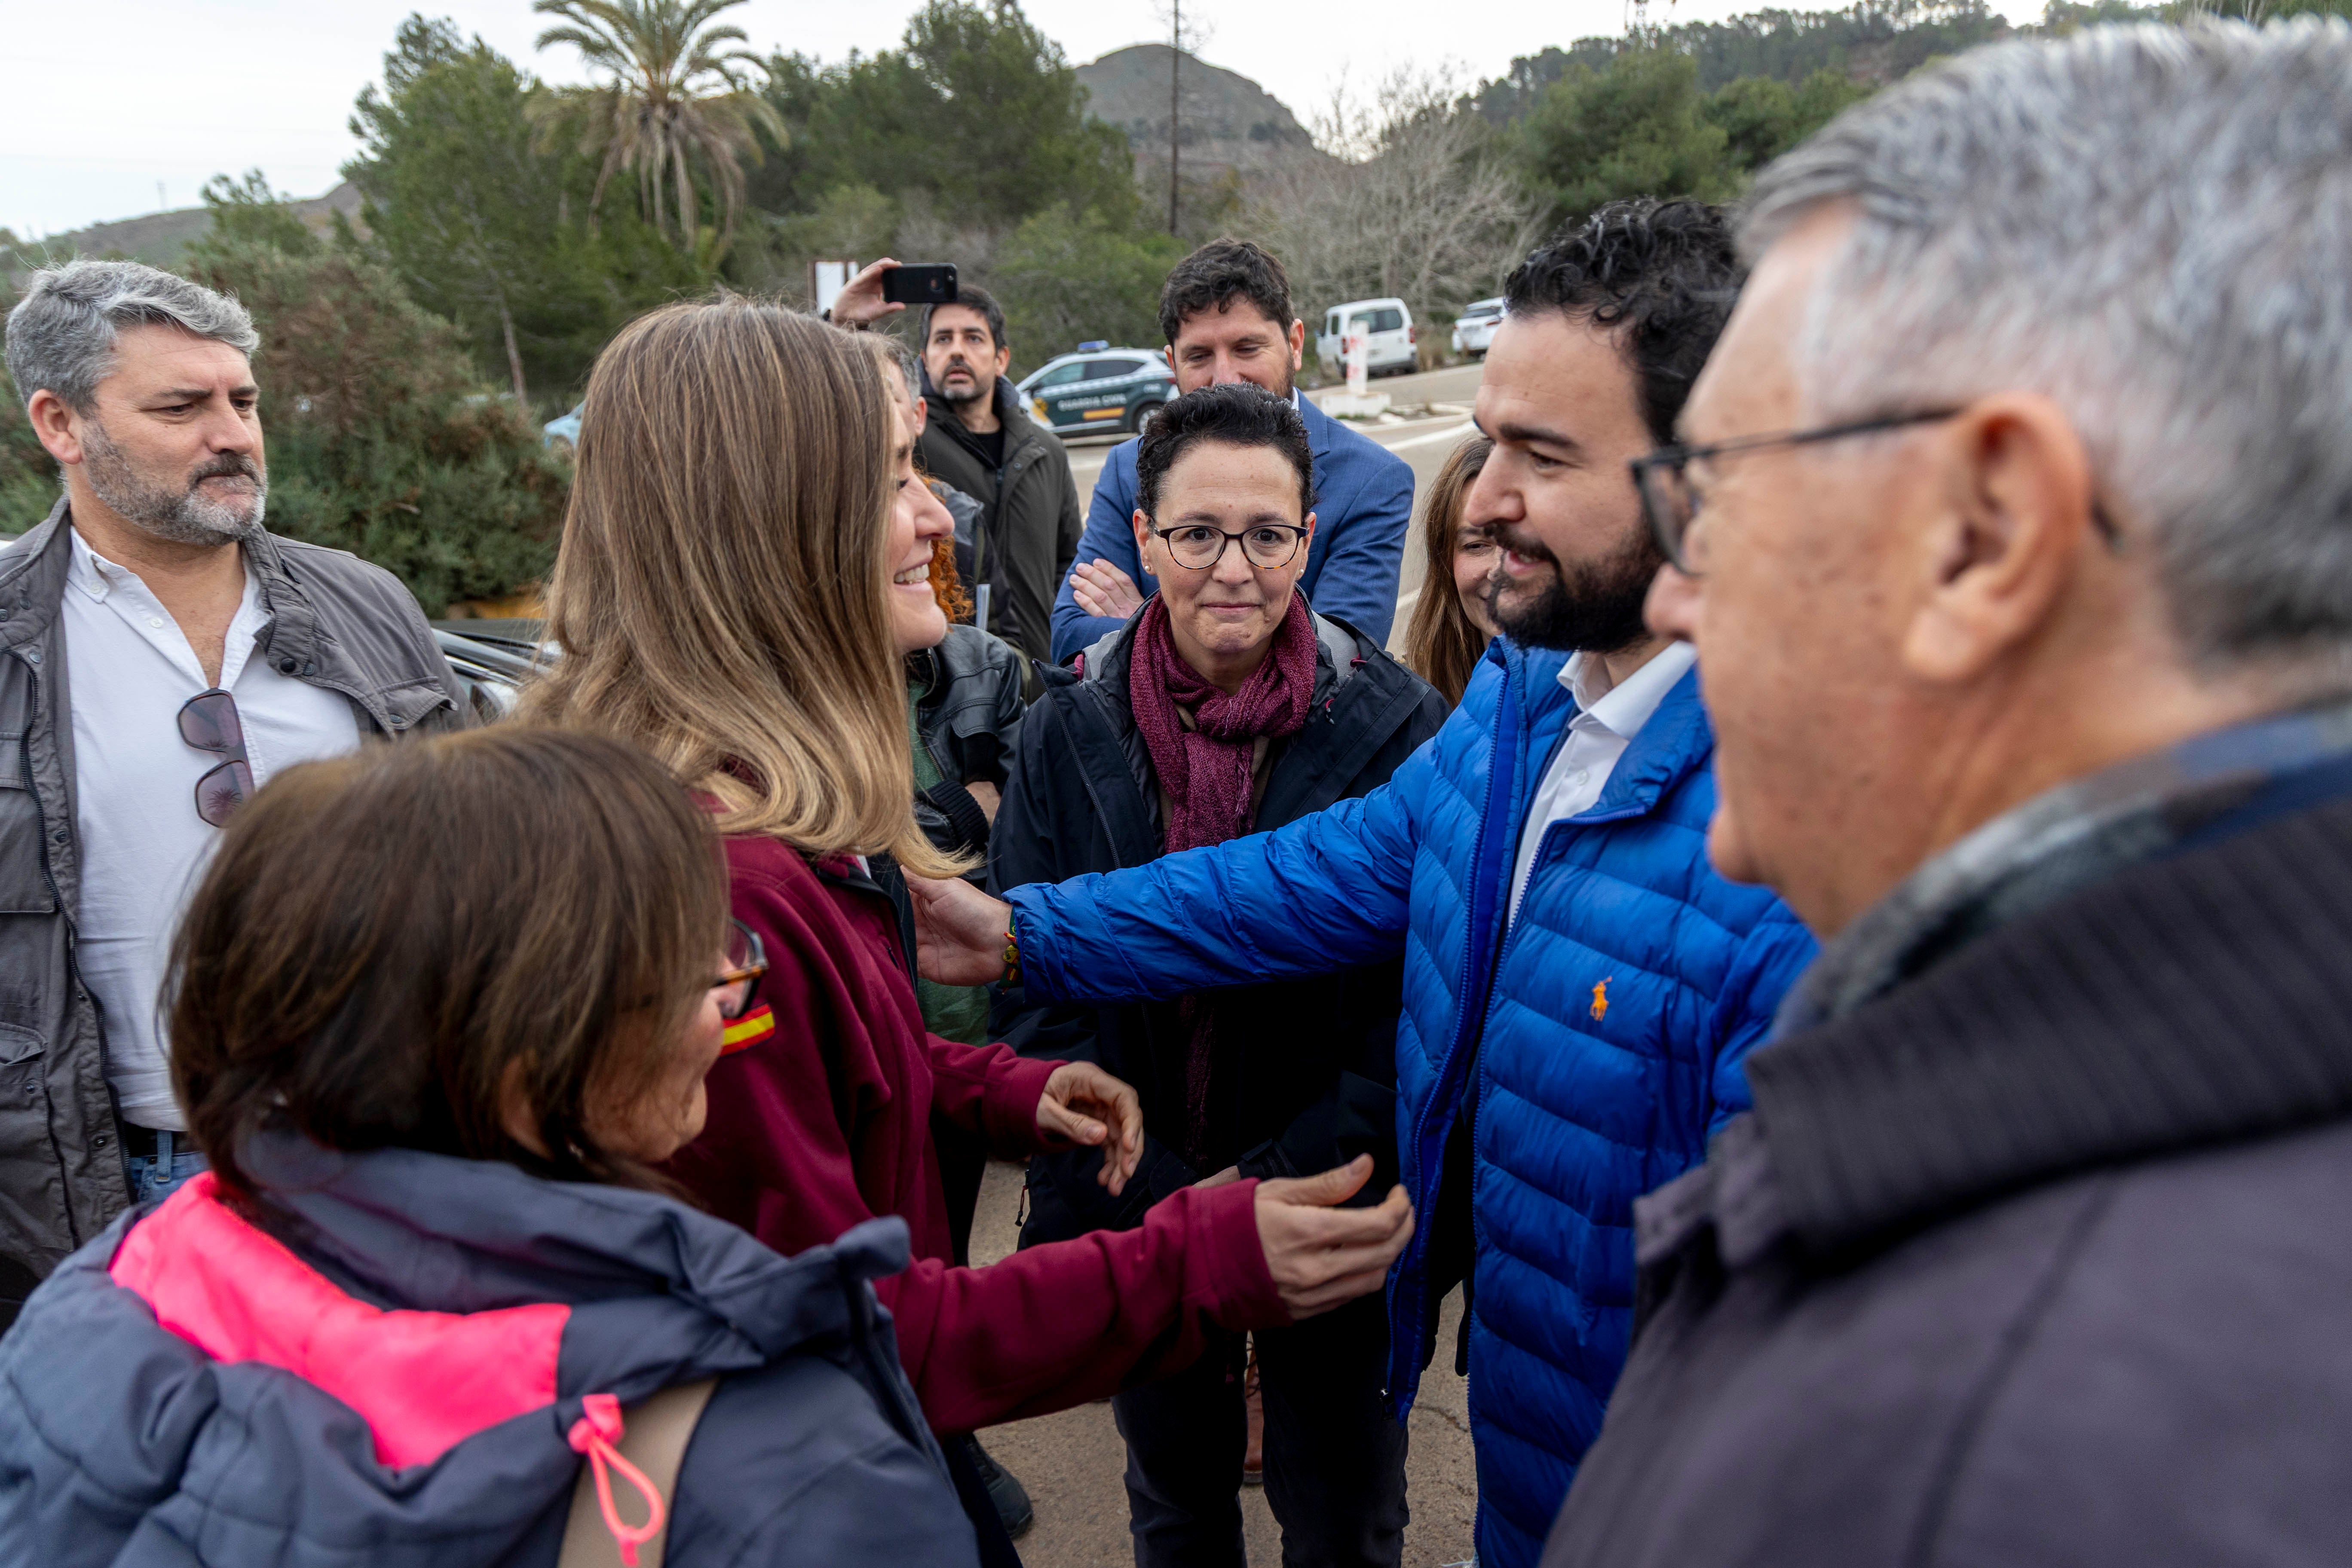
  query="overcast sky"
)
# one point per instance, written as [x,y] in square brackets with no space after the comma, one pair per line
[121,107]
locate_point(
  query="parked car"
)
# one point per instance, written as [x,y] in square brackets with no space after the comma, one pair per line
[563,435]
[1474,329]
[1099,388]
[493,659]
[1386,325]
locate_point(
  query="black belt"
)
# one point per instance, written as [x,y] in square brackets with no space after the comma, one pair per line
[138,1143]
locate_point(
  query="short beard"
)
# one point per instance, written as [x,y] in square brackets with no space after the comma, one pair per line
[1593,606]
[983,388]
[182,515]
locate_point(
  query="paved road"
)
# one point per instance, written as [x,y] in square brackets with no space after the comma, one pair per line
[1422,443]
[1073,1463]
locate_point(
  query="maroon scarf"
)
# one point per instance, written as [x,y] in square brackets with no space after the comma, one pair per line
[1206,770]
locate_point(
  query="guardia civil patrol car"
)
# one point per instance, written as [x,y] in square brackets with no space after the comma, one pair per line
[1098,387]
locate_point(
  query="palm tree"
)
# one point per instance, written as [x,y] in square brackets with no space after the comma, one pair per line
[678,100]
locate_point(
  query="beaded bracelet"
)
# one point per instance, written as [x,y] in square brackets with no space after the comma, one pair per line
[1011,959]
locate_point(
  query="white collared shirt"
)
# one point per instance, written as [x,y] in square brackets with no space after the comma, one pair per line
[129,669]
[1606,719]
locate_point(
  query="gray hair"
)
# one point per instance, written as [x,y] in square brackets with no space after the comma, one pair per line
[2152,226]
[888,348]
[62,335]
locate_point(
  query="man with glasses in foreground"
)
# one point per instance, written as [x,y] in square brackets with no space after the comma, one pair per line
[1226,707]
[161,655]
[1580,987]
[2014,541]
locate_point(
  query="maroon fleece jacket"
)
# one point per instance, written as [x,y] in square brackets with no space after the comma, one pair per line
[827,1123]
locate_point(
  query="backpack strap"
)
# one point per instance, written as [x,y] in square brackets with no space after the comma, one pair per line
[654,1440]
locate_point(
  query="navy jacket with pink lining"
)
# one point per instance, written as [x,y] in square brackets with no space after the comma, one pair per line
[461,1312]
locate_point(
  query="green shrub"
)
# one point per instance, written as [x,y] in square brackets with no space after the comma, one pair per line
[28,477]
[383,439]
[1637,129]
[1066,277]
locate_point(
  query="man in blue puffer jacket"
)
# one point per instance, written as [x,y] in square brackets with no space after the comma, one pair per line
[1580,986]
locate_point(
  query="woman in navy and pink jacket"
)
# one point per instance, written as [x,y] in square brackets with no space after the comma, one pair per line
[438,1010]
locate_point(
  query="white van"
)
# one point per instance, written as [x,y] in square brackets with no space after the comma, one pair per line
[1388,328]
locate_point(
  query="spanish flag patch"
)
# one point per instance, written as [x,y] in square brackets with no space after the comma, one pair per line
[747,1031]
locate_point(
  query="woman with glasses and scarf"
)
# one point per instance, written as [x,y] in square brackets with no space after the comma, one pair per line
[1224,707]
[747,542]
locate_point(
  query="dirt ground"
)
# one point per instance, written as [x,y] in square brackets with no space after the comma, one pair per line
[1072,1462]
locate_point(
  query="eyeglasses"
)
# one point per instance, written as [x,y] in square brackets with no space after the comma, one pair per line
[738,981]
[1672,506]
[1198,546]
[208,721]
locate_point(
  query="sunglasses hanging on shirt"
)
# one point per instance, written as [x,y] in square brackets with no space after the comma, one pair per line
[209,722]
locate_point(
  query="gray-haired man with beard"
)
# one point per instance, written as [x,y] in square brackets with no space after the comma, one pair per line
[161,655]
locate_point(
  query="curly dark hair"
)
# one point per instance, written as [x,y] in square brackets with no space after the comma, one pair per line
[1210,278]
[1237,414]
[1667,273]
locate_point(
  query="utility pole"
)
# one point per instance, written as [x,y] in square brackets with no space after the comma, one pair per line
[1175,99]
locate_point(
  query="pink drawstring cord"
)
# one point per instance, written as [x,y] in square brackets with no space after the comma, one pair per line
[598,1428]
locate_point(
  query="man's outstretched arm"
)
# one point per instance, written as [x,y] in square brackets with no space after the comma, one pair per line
[1324,892]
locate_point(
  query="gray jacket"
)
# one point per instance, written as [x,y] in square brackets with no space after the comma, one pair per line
[2034,1249]
[969,720]
[334,622]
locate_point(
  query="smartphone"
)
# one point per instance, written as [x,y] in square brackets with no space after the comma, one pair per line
[922,283]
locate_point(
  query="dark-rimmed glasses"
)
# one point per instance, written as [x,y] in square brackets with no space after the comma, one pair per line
[209,722]
[1199,547]
[1672,506]
[738,983]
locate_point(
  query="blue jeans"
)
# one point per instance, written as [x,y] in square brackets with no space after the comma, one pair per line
[159,1176]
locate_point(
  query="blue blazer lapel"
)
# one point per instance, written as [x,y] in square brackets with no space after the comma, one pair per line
[1320,427]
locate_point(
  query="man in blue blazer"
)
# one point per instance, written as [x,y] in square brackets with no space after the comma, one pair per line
[1225,310]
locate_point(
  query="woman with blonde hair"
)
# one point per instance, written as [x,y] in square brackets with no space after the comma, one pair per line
[1451,623]
[746,550]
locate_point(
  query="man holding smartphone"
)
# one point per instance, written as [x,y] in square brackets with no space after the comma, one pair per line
[989,447]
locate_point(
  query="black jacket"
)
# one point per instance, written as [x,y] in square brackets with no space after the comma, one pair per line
[2039,1251]
[969,720]
[1029,534]
[1306,1071]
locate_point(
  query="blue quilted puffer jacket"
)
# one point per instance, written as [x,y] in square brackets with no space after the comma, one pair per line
[1595,1045]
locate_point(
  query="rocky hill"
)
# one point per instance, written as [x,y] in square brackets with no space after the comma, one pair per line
[1229,122]
[160,239]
